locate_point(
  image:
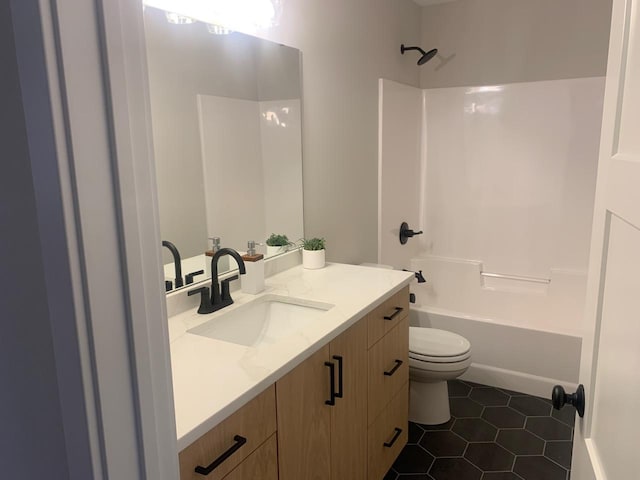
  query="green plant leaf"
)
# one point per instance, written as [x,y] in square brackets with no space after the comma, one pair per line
[313,243]
[278,240]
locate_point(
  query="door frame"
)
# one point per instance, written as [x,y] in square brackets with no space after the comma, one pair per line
[83,75]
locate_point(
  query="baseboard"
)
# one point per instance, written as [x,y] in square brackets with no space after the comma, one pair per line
[516,381]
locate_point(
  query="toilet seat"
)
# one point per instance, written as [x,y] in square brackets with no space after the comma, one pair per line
[431,345]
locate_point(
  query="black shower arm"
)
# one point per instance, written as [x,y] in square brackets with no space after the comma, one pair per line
[404,49]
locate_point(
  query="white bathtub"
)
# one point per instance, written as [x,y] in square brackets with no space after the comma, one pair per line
[522,359]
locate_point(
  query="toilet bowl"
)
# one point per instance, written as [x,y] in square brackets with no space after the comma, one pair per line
[435,356]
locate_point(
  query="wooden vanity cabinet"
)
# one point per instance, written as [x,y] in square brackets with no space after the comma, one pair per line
[246,436]
[360,435]
[320,435]
[342,414]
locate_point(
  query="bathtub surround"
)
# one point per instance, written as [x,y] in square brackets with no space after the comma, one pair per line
[501,174]
[400,167]
[501,178]
[510,174]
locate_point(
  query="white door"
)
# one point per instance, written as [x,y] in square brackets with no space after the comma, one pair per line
[607,439]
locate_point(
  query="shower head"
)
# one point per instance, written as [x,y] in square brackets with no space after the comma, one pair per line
[426,56]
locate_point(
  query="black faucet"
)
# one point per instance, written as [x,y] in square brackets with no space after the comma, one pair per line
[218,300]
[418,275]
[188,278]
[176,262]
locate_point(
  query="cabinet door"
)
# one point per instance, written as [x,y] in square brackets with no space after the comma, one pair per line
[349,416]
[304,419]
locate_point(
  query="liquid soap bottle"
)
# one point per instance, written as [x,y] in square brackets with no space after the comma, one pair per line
[253,280]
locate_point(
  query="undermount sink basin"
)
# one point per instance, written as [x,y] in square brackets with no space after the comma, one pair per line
[263,321]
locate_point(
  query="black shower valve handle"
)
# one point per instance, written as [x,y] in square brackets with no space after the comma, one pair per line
[406,232]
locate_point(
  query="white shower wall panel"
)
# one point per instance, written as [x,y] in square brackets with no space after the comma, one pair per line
[232,156]
[510,174]
[400,170]
[256,145]
[281,141]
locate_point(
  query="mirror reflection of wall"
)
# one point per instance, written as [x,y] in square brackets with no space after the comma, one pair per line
[226,114]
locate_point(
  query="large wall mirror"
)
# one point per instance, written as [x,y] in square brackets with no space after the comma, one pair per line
[226,114]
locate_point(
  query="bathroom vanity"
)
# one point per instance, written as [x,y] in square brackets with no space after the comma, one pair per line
[327,399]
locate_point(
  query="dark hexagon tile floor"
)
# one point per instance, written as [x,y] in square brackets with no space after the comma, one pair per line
[493,434]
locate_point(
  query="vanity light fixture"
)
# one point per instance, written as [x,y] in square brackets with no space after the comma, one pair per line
[224,15]
[177,19]
[218,29]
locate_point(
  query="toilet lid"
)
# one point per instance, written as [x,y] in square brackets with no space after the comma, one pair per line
[434,343]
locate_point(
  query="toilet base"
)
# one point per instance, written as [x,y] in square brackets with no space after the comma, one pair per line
[429,402]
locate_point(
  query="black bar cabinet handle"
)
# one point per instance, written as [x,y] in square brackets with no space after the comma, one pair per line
[395,368]
[394,314]
[332,380]
[395,437]
[340,382]
[240,441]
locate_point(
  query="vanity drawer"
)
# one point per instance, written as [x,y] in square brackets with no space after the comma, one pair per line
[387,315]
[388,367]
[388,435]
[231,441]
[261,464]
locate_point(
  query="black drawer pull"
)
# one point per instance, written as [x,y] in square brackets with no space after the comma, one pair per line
[340,381]
[395,437]
[240,441]
[395,368]
[332,380]
[394,314]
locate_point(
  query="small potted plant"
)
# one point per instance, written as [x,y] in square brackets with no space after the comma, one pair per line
[313,253]
[277,244]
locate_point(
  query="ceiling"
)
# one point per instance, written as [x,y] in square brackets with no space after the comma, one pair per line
[425,3]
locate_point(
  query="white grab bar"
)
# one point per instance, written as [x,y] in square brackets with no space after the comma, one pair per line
[516,277]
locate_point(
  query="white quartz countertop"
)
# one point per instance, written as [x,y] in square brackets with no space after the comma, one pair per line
[212,378]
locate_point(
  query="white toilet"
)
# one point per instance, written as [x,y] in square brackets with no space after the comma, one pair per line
[435,356]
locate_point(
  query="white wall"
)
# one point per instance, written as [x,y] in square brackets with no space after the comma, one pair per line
[484,42]
[32,440]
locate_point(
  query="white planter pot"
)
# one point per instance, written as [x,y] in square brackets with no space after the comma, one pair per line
[271,251]
[312,259]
